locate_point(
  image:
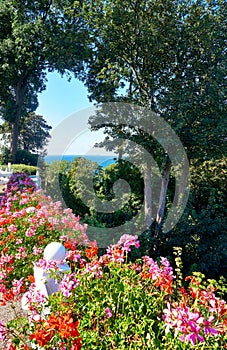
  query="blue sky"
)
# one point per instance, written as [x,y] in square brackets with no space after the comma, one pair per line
[60,100]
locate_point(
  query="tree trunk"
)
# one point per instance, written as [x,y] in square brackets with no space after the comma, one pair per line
[162,199]
[147,196]
[19,93]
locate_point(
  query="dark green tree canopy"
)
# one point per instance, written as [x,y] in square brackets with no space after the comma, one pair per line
[34,133]
[36,37]
[169,56]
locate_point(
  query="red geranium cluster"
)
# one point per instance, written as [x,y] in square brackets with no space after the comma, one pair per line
[61,326]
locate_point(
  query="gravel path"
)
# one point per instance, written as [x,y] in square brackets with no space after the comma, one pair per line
[7,313]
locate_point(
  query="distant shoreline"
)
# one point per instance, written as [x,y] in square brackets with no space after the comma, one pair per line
[102,160]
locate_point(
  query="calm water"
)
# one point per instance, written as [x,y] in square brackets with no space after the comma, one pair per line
[101,160]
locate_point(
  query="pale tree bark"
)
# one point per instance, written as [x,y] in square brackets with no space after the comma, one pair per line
[162,199]
[147,196]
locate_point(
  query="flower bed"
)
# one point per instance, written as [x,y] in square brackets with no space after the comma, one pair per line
[104,302]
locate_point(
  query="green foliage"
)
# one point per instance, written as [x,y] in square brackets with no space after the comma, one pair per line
[54,179]
[201,232]
[5,156]
[61,180]
[25,157]
[81,183]
[104,184]
[22,157]
[22,168]
[36,37]
[34,132]
[132,306]
[167,56]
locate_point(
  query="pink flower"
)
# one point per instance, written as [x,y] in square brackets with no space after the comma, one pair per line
[46,265]
[189,324]
[2,331]
[12,228]
[72,255]
[94,268]
[21,249]
[68,283]
[115,254]
[18,286]
[126,241]
[37,251]
[208,329]
[30,231]
[30,210]
[193,336]
[33,295]
[108,312]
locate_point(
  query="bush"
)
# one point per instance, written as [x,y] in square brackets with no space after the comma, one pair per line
[22,157]
[5,156]
[202,230]
[26,157]
[104,302]
[29,221]
[22,168]
[109,303]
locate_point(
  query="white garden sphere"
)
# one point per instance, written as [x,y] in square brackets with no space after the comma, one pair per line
[54,251]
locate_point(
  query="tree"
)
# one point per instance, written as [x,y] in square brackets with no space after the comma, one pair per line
[36,37]
[33,133]
[202,230]
[167,56]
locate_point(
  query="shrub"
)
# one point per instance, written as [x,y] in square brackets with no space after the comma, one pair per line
[23,168]
[26,157]
[29,220]
[103,302]
[5,155]
[202,230]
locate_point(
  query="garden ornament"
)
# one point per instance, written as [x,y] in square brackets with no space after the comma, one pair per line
[44,283]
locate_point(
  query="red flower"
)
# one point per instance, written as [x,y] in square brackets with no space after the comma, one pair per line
[70,245]
[92,251]
[5,250]
[42,336]
[63,325]
[31,278]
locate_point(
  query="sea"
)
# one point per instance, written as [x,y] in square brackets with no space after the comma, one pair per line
[102,160]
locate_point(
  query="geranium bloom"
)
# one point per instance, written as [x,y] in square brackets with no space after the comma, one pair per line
[62,325]
[161,275]
[189,324]
[93,268]
[18,286]
[92,250]
[2,331]
[108,312]
[12,228]
[126,241]
[115,254]
[68,283]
